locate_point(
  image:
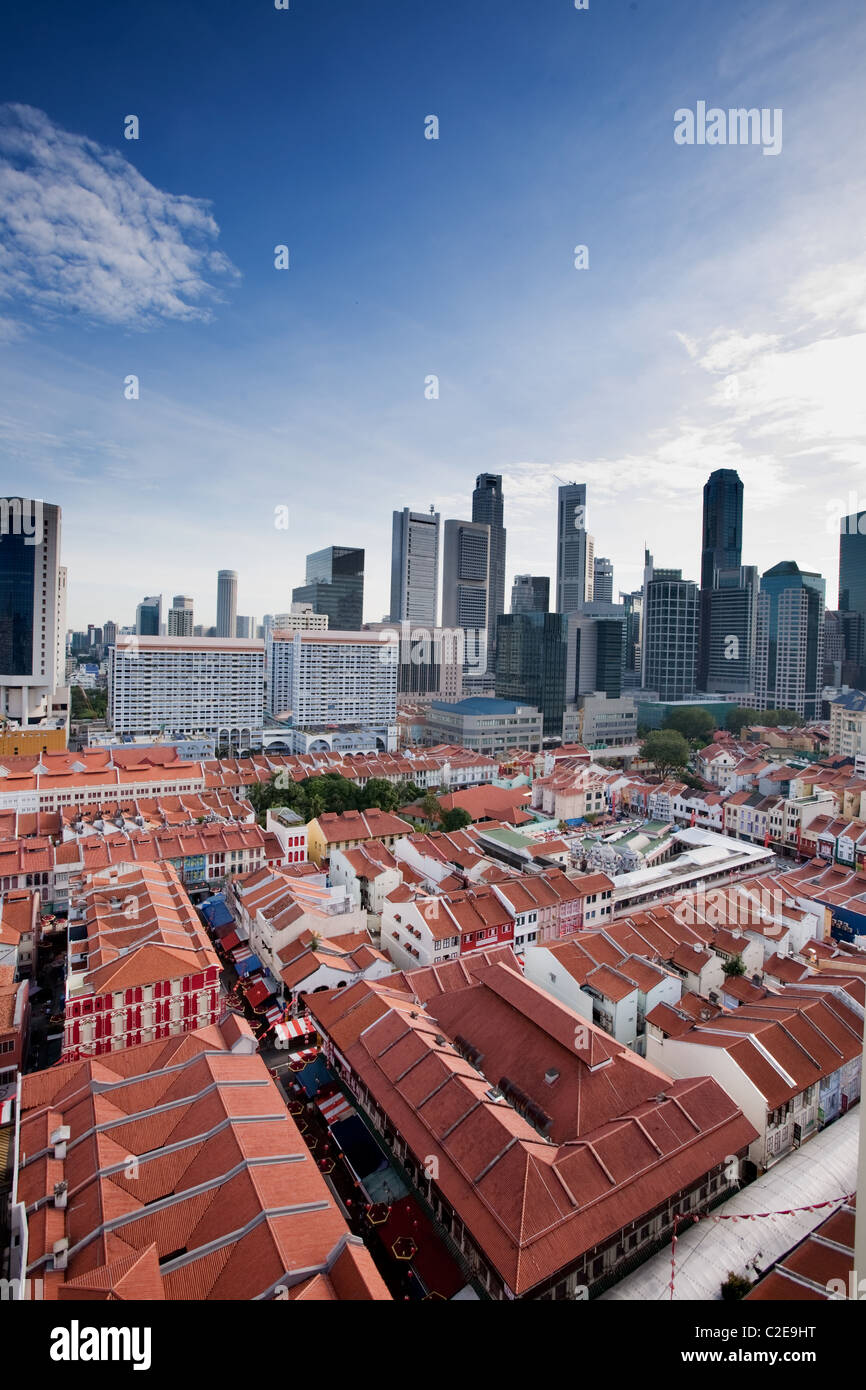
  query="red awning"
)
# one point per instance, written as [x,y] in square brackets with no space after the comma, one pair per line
[257,992]
[335,1108]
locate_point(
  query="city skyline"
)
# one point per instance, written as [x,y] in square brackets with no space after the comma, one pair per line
[201,604]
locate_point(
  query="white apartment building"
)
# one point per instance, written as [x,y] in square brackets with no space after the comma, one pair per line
[301,618]
[326,679]
[848,725]
[190,686]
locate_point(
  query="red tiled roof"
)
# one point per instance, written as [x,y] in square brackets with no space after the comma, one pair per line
[534,1208]
[226,1201]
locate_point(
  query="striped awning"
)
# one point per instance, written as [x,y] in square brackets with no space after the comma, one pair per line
[291,1028]
[335,1108]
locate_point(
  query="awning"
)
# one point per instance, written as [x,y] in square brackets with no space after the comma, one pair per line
[215,911]
[335,1108]
[291,1028]
[273,1014]
[246,962]
[257,992]
[230,941]
[299,1027]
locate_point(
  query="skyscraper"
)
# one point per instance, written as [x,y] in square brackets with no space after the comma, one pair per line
[335,585]
[415,566]
[488,508]
[602,580]
[531,654]
[32,609]
[596,652]
[227,603]
[530,593]
[181,619]
[852,581]
[575,568]
[670,634]
[721,548]
[465,587]
[148,616]
[730,633]
[789,649]
[633,607]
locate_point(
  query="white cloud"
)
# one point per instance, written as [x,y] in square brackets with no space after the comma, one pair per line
[84,233]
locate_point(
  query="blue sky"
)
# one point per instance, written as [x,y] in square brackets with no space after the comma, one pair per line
[721,322]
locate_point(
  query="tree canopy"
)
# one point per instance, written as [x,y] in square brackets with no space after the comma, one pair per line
[692,722]
[330,791]
[455,819]
[741,716]
[666,749]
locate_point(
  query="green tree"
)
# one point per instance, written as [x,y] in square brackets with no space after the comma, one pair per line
[692,722]
[379,792]
[740,716]
[332,792]
[431,808]
[734,966]
[666,749]
[455,819]
[736,1286]
[789,716]
[406,793]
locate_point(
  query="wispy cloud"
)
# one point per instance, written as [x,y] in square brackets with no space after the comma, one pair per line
[85,234]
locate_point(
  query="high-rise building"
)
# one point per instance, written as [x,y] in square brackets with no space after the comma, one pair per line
[190,686]
[530,593]
[335,586]
[789,650]
[465,589]
[602,580]
[148,616]
[721,549]
[181,620]
[596,652]
[670,634]
[843,648]
[531,656]
[429,660]
[332,679]
[301,618]
[488,508]
[852,582]
[415,567]
[633,606]
[245,626]
[109,633]
[32,611]
[227,603]
[730,631]
[466,574]
[575,551]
